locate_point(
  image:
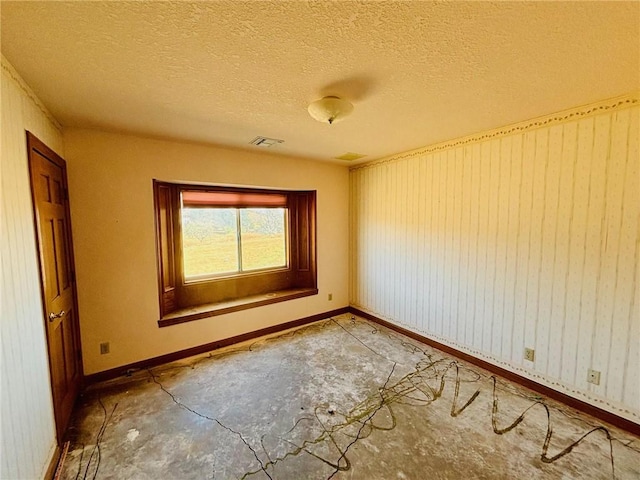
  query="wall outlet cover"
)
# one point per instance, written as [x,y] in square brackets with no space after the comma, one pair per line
[593,376]
[529,354]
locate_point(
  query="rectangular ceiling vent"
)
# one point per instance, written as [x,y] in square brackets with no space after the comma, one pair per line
[350,156]
[265,142]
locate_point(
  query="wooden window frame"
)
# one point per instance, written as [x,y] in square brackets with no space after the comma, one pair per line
[182,301]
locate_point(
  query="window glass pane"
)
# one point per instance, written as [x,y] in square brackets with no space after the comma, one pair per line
[209,241]
[263,238]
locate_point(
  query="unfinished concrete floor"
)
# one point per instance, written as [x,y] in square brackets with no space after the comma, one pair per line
[341,398]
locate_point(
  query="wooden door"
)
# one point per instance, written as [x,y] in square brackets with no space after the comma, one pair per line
[53,231]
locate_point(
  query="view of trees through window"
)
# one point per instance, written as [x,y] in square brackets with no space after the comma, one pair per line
[218,240]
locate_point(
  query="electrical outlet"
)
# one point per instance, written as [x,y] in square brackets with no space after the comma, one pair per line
[593,376]
[529,354]
[330,296]
[104,348]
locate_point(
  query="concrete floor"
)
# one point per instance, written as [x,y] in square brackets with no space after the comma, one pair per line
[341,398]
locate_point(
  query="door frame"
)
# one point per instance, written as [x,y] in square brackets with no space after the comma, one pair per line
[33,143]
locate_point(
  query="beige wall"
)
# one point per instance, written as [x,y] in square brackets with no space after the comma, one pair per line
[26,410]
[522,237]
[110,183]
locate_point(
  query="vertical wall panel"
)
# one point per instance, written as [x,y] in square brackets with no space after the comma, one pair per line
[374,235]
[500,232]
[403,214]
[627,226]
[522,237]
[424,240]
[463,265]
[536,233]
[490,254]
[472,234]
[27,429]
[523,263]
[593,256]
[456,218]
[448,199]
[553,157]
[483,335]
[413,197]
[577,250]
[394,271]
[431,236]
[449,321]
[631,379]
[561,254]
[513,158]
[610,244]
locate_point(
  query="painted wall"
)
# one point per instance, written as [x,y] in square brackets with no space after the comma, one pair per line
[26,410]
[522,237]
[110,189]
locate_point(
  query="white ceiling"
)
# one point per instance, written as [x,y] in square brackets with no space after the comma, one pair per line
[224,72]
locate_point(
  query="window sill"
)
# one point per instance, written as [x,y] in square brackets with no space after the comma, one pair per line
[213,309]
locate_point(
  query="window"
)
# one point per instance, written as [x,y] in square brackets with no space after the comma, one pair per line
[223,249]
[230,233]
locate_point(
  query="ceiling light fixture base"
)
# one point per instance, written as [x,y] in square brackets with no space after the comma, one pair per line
[330,109]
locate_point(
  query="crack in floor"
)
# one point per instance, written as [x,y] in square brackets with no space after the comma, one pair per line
[262,466]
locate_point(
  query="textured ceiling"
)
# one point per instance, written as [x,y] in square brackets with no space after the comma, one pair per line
[224,72]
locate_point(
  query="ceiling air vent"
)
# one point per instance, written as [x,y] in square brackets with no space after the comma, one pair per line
[350,156]
[265,142]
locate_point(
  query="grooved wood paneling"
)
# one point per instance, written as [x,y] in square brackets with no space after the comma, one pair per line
[28,431]
[522,238]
